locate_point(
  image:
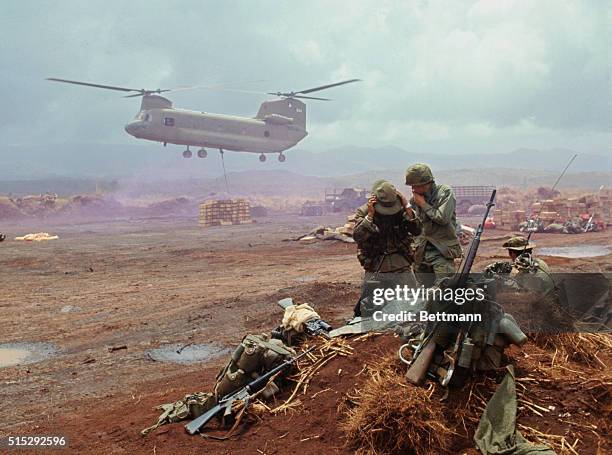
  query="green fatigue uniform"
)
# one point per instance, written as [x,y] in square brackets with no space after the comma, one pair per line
[385,243]
[528,272]
[533,274]
[438,245]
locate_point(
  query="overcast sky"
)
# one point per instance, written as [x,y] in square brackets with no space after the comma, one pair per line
[453,76]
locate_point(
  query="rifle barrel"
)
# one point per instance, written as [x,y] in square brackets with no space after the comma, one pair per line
[471,255]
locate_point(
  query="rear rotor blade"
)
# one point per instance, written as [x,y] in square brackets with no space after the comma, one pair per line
[323,87]
[88,84]
[147,92]
[291,95]
[311,98]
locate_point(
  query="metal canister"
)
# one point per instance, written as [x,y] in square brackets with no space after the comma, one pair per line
[511,330]
[467,349]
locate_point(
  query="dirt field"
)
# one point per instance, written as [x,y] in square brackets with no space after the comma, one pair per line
[146,283]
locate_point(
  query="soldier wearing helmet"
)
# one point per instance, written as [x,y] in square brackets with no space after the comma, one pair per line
[385,229]
[438,246]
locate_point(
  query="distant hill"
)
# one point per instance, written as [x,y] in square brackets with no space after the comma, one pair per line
[349,160]
[282,183]
[152,161]
[494,176]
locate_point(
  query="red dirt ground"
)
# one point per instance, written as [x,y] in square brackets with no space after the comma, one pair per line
[144,283]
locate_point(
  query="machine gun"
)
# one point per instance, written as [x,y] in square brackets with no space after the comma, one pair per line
[245,395]
[312,327]
[424,352]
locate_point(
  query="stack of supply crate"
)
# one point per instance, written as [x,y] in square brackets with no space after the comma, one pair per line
[225,212]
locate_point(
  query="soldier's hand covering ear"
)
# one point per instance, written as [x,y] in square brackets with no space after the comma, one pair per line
[405,204]
[371,203]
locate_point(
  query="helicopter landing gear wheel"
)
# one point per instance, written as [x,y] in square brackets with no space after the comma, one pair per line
[262,157]
[282,158]
[202,153]
[187,153]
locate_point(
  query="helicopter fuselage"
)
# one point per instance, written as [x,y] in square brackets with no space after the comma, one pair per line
[278,125]
[273,133]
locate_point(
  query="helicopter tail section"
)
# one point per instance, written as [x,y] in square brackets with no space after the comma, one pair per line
[288,109]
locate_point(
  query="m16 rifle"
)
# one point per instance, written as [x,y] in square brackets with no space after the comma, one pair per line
[245,394]
[312,327]
[425,351]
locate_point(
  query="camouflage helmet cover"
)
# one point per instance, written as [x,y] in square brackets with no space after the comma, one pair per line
[518,243]
[387,200]
[418,174]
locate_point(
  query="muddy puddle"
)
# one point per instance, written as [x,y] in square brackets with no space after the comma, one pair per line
[192,353]
[583,251]
[12,354]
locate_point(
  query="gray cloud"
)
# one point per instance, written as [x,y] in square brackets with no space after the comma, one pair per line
[463,74]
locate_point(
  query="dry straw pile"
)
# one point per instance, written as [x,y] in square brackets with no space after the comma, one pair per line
[388,416]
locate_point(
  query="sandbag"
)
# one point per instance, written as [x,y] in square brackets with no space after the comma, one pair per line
[253,356]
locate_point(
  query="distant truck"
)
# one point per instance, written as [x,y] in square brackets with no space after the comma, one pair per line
[345,199]
[468,196]
[312,208]
[336,200]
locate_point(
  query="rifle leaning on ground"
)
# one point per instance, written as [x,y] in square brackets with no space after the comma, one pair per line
[424,353]
[245,395]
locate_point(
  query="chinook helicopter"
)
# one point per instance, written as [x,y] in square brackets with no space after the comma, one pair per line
[279,124]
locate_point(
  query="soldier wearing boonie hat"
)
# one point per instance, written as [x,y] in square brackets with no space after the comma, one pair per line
[438,246]
[523,262]
[519,244]
[385,229]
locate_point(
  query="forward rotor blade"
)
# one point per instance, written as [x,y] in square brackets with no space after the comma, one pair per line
[88,84]
[323,87]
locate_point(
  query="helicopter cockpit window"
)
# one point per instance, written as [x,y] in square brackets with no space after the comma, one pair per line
[169,121]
